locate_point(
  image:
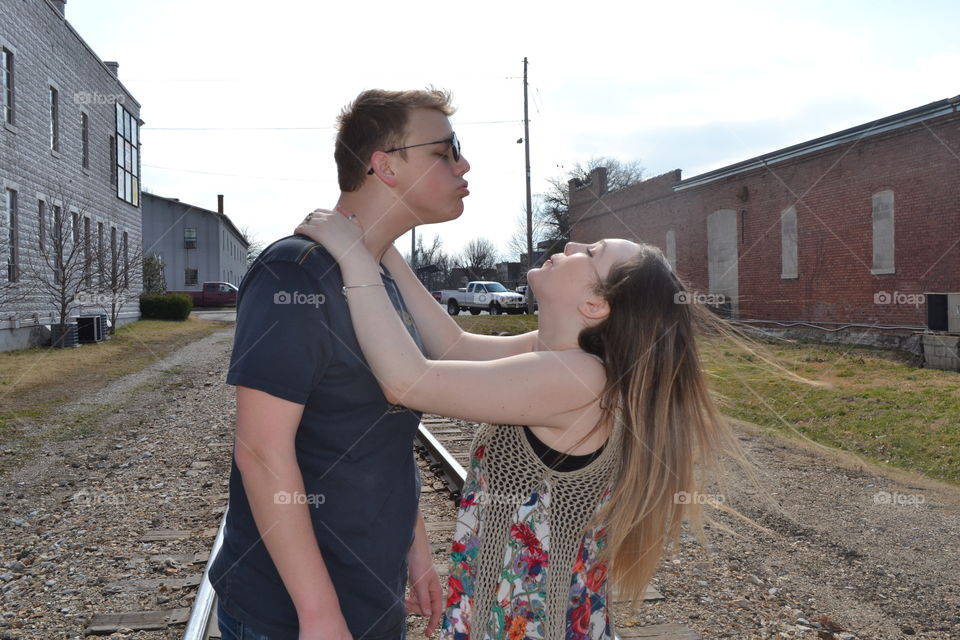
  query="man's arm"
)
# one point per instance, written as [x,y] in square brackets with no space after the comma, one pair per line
[266,459]
[443,338]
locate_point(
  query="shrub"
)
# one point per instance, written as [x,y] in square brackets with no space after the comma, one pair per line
[169,306]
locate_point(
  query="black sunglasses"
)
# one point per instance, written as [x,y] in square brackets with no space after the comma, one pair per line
[452,141]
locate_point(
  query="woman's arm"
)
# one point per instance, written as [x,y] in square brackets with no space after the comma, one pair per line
[443,338]
[537,388]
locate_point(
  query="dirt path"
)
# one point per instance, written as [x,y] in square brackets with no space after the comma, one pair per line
[874,552]
[149,451]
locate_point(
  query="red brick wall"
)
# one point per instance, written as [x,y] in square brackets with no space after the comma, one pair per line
[832,193]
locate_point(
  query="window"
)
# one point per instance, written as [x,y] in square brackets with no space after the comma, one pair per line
[883,256]
[127,158]
[672,249]
[12,250]
[42,223]
[788,243]
[112,145]
[189,276]
[57,242]
[54,119]
[75,219]
[113,257]
[87,257]
[189,238]
[84,140]
[100,256]
[6,85]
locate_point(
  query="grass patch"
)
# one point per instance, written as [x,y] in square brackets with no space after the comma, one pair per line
[493,325]
[872,402]
[34,382]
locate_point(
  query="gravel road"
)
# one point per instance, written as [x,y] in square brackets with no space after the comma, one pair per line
[854,552]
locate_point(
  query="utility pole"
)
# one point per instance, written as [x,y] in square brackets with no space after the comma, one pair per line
[413,248]
[526,145]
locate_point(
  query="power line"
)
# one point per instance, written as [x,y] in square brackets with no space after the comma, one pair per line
[298,128]
[237,175]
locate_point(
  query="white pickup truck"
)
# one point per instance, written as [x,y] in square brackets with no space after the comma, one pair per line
[480,296]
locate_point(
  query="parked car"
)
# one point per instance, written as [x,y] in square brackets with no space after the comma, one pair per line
[522,290]
[481,295]
[213,294]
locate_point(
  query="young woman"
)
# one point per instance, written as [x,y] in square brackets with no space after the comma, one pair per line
[592,429]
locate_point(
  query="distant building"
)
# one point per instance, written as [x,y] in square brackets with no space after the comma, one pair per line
[855,235]
[69,160]
[511,274]
[195,245]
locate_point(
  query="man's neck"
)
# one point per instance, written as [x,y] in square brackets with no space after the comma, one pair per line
[381,225]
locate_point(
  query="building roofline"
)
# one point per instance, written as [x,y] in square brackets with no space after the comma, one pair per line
[222,216]
[105,68]
[859,132]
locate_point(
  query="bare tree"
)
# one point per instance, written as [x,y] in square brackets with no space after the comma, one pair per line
[517,244]
[254,244]
[60,267]
[154,282]
[11,293]
[478,258]
[119,270]
[554,206]
[433,264]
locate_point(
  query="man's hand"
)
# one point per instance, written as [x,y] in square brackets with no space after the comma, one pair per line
[426,596]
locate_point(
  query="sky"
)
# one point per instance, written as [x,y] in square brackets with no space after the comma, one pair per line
[240,98]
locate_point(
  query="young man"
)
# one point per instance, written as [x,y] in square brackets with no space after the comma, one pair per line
[323,529]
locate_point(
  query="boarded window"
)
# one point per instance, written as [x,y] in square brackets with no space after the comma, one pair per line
[672,249]
[883,241]
[788,243]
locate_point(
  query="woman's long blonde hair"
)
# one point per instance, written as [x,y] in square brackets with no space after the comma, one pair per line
[671,425]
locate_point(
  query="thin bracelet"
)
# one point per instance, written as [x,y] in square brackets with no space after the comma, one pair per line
[357,286]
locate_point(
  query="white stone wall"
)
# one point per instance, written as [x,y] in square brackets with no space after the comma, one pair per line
[48,52]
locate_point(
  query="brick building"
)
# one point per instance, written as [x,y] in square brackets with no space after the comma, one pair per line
[69,165]
[856,233]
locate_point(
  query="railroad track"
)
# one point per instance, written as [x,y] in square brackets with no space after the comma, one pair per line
[201,624]
[446,444]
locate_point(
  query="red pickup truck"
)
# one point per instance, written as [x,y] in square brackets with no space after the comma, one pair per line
[213,294]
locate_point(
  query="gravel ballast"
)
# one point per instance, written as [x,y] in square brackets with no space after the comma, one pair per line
[854,553]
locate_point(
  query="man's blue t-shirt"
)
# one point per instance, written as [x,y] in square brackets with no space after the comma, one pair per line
[295,340]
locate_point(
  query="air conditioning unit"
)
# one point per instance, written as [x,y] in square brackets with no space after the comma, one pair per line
[68,339]
[943,312]
[89,329]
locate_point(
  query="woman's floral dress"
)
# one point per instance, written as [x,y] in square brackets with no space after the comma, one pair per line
[519,611]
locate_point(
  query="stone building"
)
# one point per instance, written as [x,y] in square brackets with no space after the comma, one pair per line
[69,176]
[195,245]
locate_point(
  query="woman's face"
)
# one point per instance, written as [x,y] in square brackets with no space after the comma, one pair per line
[578,270]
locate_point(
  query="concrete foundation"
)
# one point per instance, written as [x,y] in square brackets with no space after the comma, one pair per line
[25,334]
[941,351]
